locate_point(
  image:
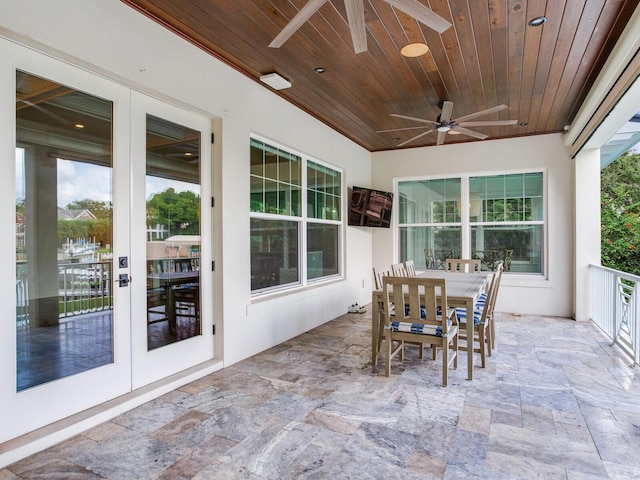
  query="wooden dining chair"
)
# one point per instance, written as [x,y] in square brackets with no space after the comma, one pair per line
[410,268]
[412,313]
[482,331]
[465,265]
[378,274]
[497,277]
[399,270]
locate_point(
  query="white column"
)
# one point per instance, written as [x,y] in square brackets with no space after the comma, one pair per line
[586,227]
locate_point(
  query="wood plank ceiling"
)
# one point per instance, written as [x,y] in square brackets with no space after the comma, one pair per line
[490,56]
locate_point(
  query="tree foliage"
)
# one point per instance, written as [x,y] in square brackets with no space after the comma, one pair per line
[180,211]
[620,214]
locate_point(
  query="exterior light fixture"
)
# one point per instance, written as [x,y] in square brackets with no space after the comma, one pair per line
[319,69]
[414,49]
[275,81]
[536,22]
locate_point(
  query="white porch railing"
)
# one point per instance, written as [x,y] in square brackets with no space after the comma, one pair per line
[615,309]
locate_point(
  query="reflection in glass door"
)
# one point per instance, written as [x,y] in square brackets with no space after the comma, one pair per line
[173,232]
[63,212]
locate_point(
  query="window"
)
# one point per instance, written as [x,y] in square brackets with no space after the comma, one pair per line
[429,221]
[508,221]
[292,245]
[503,221]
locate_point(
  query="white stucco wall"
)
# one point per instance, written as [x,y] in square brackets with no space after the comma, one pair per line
[519,293]
[112,39]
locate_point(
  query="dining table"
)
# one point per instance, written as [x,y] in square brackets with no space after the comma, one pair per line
[168,281]
[463,291]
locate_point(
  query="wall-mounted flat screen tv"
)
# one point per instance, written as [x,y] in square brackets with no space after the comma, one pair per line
[370,208]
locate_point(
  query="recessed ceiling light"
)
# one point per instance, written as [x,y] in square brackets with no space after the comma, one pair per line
[414,50]
[187,154]
[79,125]
[319,69]
[536,22]
[524,124]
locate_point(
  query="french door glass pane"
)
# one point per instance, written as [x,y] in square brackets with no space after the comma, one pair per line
[64,320]
[173,232]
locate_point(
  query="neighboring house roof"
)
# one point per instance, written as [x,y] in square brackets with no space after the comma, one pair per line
[65,214]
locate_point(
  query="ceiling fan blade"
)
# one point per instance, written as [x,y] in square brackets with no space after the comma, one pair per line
[487,123]
[400,129]
[355,16]
[488,111]
[415,138]
[296,22]
[441,137]
[447,110]
[430,122]
[470,133]
[421,14]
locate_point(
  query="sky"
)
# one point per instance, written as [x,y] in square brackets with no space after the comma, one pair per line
[80,181]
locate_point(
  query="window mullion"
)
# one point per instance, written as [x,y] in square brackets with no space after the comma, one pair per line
[304,219]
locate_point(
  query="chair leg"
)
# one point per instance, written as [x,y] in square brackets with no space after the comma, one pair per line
[445,362]
[493,331]
[481,341]
[455,352]
[387,356]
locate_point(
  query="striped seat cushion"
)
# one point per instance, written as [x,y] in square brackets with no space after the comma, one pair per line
[477,310]
[419,328]
[482,299]
[461,313]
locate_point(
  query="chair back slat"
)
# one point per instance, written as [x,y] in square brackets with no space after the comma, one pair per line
[410,268]
[406,298]
[465,265]
[399,270]
[378,273]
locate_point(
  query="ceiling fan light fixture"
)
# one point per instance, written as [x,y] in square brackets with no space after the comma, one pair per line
[444,128]
[413,50]
[538,21]
[275,81]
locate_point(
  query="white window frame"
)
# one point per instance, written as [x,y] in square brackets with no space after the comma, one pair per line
[303,221]
[466,224]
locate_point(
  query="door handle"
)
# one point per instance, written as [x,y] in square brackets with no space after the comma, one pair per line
[123,280]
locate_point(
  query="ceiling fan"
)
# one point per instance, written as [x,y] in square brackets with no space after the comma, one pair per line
[445,124]
[355,17]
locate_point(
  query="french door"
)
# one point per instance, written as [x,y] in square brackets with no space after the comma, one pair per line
[88,164]
[171,221]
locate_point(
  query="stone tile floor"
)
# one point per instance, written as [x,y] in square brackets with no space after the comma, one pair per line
[555,401]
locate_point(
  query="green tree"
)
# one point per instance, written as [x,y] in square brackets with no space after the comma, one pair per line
[620,214]
[179,211]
